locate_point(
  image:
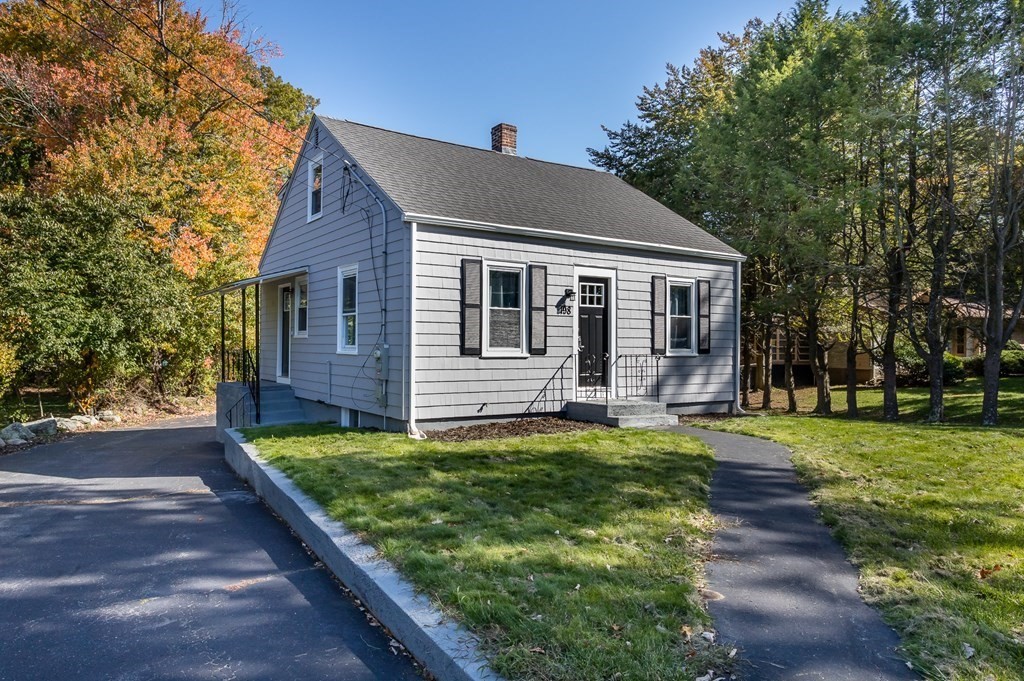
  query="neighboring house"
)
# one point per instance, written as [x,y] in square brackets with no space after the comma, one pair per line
[868,372]
[409,281]
[967,319]
[966,339]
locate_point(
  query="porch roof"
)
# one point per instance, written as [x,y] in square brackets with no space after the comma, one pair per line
[262,278]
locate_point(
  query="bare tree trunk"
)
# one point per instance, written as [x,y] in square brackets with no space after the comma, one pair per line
[936,404]
[890,398]
[745,378]
[851,358]
[990,385]
[819,364]
[788,357]
[766,366]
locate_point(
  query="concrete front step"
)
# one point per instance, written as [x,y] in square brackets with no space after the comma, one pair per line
[644,421]
[279,406]
[279,420]
[622,413]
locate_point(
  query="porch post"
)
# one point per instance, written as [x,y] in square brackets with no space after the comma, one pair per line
[223,354]
[256,369]
[245,373]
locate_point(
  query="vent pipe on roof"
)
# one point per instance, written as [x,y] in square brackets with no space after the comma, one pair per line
[503,138]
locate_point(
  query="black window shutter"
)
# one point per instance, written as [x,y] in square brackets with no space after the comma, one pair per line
[472,294]
[658,315]
[703,317]
[538,310]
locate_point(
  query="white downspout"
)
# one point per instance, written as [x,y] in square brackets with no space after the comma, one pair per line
[412,430]
[738,284]
[384,302]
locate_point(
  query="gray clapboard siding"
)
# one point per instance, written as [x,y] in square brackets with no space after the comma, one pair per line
[338,239]
[449,385]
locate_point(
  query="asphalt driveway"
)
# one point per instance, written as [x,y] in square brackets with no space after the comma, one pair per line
[136,554]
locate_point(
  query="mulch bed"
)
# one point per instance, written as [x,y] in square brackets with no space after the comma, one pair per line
[520,428]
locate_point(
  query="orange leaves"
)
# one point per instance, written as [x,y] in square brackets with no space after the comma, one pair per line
[985,573]
[147,127]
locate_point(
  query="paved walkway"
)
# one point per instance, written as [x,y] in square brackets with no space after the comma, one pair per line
[791,603]
[136,554]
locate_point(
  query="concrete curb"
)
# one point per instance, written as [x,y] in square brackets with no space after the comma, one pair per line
[443,647]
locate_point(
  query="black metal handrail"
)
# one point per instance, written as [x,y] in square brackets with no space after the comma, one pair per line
[546,394]
[251,377]
[239,414]
[241,367]
[636,376]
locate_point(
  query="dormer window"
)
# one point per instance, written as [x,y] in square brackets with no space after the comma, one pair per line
[315,188]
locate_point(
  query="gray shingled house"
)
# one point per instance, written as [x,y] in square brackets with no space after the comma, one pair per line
[410,282]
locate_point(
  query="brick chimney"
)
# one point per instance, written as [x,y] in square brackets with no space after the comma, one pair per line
[503,138]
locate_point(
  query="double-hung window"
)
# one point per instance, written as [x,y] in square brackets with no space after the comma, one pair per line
[302,308]
[680,318]
[315,188]
[348,304]
[505,315]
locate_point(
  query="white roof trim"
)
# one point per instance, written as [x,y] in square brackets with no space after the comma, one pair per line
[242,283]
[567,236]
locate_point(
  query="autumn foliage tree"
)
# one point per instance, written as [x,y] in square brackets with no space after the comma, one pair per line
[176,124]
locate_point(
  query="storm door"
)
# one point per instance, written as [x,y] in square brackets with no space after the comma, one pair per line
[284,331]
[593,299]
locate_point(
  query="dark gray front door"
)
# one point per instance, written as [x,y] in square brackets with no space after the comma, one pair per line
[286,331]
[592,301]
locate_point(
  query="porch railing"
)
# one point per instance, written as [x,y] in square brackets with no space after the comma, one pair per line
[241,367]
[636,376]
[251,377]
[239,415]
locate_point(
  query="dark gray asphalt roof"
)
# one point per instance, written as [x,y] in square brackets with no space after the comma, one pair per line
[442,179]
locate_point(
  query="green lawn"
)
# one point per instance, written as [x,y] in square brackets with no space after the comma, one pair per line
[934,518]
[963,402]
[572,556]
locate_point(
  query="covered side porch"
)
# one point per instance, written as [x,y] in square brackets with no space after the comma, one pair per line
[244,396]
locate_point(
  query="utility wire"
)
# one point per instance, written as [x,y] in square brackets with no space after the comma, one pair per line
[163,76]
[228,91]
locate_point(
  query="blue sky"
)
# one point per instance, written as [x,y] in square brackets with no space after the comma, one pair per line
[450,70]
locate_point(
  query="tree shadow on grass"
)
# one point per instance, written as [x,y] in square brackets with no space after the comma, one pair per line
[570,544]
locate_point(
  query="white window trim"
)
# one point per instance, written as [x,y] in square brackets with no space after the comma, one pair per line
[692,283]
[343,272]
[297,333]
[317,160]
[485,351]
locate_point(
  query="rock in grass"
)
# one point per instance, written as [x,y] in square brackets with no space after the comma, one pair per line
[14,441]
[68,425]
[47,426]
[108,416]
[16,431]
[85,419]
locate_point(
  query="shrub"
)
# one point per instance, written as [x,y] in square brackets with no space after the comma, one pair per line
[1012,362]
[953,371]
[911,369]
[8,367]
[975,365]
